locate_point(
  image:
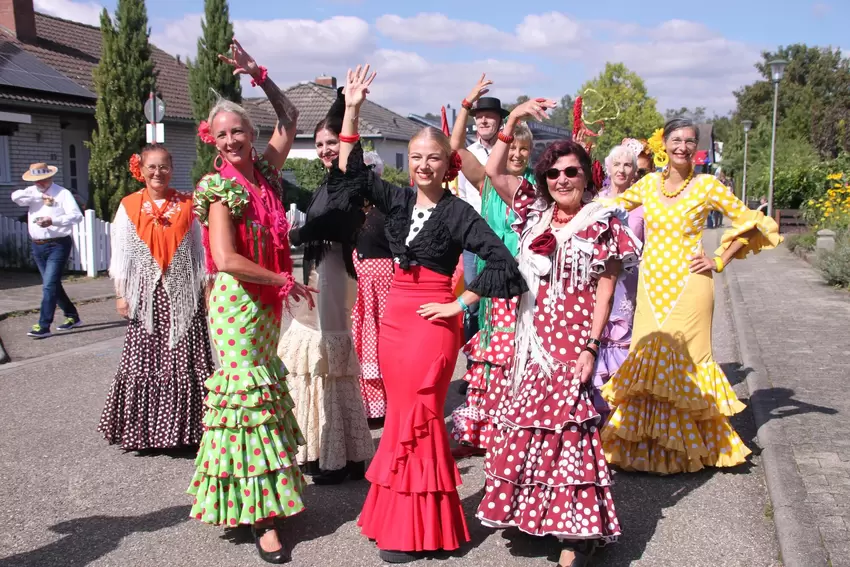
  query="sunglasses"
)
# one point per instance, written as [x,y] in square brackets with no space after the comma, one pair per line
[571,172]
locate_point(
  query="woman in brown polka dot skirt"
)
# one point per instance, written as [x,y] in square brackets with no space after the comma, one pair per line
[157,397]
[545,469]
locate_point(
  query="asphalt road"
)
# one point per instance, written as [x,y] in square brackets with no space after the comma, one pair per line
[69,499]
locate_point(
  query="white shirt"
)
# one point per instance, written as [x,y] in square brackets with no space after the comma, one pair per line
[466,190]
[63,211]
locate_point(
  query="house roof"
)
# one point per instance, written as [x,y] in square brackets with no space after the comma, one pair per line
[313,102]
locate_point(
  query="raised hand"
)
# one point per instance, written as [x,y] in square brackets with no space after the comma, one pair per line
[357,85]
[480,89]
[535,108]
[240,60]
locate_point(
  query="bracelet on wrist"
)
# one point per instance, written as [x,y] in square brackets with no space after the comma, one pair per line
[592,341]
[463,306]
[506,138]
[466,104]
[743,241]
[349,139]
[260,78]
[718,264]
[591,351]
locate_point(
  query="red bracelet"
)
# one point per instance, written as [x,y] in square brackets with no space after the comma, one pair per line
[258,81]
[506,138]
[349,139]
[466,104]
[286,288]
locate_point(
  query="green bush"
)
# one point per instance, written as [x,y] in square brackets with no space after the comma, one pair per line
[835,265]
[803,241]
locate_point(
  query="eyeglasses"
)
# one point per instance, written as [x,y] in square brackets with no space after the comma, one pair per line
[688,142]
[571,172]
[162,169]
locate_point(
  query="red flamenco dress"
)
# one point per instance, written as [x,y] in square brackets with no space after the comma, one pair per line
[413,504]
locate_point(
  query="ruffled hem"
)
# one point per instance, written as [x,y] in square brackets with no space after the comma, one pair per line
[660,371]
[766,238]
[232,501]
[232,383]
[471,425]
[499,278]
[412,474]
[568,512]
[412,521]
[309,351]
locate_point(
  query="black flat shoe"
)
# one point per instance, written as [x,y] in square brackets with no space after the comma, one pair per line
[356,470]
[310,468]
[582,552]
[388,556]
[353,470]
[278,557]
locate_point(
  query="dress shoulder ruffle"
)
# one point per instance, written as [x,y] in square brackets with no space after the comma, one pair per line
[213,187]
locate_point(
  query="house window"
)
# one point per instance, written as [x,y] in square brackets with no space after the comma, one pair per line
[399,161]
[5,175]
[72,165]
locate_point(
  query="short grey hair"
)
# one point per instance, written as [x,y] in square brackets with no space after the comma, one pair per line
[677,124]
[616,152]
[372,158]
[224,105]
[523,132]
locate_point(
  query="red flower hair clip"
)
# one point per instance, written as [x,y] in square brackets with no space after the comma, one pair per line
[455,165]
[204,133]
[136,167]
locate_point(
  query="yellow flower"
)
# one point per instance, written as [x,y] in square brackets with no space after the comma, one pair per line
[832,176]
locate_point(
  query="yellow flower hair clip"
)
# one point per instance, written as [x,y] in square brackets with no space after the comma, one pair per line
[656,144]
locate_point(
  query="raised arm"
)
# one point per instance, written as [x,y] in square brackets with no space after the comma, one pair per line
[287,115]
[472,169]
[504,182]
[356,89]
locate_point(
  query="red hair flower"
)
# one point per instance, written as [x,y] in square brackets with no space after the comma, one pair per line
[204,133]
[544,245]
[455,165]
[136,167]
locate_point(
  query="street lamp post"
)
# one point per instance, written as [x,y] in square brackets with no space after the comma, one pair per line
[747,124]
[777,69]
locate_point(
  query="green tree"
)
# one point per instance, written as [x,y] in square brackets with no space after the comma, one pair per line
[562,115]
[123,80]
[698,114]
[618,88]
[207,74]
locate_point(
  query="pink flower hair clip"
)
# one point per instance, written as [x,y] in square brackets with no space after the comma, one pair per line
[204,133]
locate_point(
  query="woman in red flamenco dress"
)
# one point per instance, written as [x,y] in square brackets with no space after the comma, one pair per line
[413,506]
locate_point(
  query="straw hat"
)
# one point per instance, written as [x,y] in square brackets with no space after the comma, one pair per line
[39,171]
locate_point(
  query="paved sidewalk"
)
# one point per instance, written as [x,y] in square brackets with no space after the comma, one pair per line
[794,333]
[26,295]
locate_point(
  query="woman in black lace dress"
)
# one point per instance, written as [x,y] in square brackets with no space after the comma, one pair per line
[413,504]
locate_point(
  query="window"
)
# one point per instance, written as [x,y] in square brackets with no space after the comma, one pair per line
[5,175]
[72,164]
[399,161]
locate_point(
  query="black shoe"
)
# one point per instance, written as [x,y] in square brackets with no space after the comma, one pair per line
[70,323]
[278,557]
[39,332]
[310,468]
[582,552]
[464,385]
[375,422]
[354,470]
[388,556]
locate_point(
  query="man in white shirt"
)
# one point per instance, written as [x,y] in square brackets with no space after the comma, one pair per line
[53,212]
[488,115]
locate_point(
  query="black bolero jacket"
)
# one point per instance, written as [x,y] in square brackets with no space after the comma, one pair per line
[453,227]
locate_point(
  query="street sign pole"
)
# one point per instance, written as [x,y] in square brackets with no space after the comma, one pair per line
[152,98]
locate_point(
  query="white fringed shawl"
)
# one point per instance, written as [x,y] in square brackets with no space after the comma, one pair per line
[136,272]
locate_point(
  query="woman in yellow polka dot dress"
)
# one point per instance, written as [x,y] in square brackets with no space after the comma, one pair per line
[670,399]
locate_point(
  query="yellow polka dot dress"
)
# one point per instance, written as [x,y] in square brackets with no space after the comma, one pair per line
[670,399]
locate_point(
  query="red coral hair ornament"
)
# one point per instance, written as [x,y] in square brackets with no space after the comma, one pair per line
[598,174]
[204,133]
[136,167]
[455,165]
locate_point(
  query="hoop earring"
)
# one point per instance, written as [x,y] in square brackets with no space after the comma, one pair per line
[218,162]
[254,156]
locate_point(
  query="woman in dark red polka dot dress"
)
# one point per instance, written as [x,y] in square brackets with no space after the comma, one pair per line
[545,468]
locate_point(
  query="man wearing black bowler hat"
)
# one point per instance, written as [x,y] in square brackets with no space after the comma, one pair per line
[488,115]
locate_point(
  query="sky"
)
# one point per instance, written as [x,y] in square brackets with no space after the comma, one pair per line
[431,54]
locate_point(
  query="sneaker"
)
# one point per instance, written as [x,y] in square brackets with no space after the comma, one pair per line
[39,332]
[70,323]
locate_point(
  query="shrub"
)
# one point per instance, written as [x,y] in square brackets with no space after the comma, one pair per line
[832,209]
[801,242]
[835,265]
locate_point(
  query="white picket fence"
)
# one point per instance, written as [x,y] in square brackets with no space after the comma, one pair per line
[90,253]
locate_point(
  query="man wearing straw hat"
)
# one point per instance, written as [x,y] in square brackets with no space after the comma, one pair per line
[52,214]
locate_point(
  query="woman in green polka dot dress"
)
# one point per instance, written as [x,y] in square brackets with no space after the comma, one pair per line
[245,469]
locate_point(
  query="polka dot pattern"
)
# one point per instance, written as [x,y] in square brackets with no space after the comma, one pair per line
[156,398]
[374,278]
[245,469]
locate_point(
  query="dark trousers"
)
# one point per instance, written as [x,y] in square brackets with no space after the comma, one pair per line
[470,320]
[51,258]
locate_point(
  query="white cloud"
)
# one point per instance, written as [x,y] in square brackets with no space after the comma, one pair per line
[439,29]
[552,31]
[83,12]
[821,9]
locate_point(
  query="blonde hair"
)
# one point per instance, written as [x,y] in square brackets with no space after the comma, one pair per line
[224,105]
[436,135]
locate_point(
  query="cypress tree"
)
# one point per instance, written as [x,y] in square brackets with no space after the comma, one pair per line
[123,80]
[208,72]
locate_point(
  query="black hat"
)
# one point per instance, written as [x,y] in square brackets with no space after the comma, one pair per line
[489,103]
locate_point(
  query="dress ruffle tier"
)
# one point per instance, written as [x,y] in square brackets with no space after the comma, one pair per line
[245,469]
[546,473]
[671,415]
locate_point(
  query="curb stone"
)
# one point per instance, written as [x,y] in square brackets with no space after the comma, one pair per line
[796,528]
[25,310]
